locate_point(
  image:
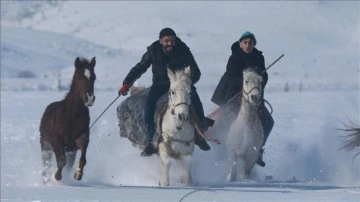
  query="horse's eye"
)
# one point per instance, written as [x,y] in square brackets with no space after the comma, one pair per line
[172,92]
[246,82]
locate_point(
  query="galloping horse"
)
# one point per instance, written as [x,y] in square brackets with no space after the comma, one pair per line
[175,133]
[246,134]
[178,134]
[64,126]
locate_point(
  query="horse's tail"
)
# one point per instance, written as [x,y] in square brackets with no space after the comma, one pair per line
[353,140]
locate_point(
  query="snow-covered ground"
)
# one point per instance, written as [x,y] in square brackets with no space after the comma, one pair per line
[321,70]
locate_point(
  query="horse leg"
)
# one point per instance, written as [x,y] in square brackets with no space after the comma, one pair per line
[82,143]
[165,164]
[247,171]
[60,157]
[186,172]
[241,168]
[232,164]
[70,159]
[46,154]
[246,168]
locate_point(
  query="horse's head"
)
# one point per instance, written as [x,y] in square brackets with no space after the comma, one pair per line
[83,80]
[252,87]
[179,93]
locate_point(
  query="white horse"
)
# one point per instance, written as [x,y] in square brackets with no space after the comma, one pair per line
[178,133]
[246,134]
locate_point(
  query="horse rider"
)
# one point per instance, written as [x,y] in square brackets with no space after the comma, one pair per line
[244,55]
[167,52]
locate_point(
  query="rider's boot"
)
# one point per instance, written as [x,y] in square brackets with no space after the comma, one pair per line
[149,150]
[260,161]
[199,141]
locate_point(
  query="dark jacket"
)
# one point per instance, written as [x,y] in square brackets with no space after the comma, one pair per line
[231,82]
[155,56]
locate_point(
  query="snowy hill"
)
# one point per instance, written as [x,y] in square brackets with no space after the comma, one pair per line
[37,51]
[321,52]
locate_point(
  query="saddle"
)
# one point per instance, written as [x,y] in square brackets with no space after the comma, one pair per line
[131,117]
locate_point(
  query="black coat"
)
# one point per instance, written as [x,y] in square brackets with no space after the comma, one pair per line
[180,57]
[231,82]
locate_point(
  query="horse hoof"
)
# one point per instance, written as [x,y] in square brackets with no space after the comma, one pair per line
[230,177]
[58,176]
[78,175]
[164,183]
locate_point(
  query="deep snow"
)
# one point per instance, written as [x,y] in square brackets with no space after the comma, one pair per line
[40,41]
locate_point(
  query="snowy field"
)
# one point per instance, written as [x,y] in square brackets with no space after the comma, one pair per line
[302,156]
[314,90]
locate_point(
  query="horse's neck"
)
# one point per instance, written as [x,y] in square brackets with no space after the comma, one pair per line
[73,104]
[247,111]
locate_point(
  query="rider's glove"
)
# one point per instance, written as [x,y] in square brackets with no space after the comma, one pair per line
[124,89]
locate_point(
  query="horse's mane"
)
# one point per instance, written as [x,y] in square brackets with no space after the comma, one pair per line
[252,70]
[180,74]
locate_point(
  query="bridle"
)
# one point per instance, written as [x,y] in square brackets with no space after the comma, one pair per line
[173,106]
[247,93]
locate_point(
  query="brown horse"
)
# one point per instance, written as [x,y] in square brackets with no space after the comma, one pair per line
[64,126]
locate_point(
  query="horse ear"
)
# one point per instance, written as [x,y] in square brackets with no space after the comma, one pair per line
[171,74]
[93,62]
[77,62]
[187,70]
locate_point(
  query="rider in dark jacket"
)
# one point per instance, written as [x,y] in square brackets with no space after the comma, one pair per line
[167,52]
[244,55]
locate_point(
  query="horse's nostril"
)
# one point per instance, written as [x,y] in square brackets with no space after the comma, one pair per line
[254,97]
[180,117]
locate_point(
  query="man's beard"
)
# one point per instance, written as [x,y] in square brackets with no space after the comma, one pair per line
[168,49]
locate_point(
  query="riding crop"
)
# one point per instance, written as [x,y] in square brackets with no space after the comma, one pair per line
[105,110]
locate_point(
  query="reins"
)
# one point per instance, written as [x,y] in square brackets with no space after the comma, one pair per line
[172,107]
[247,93]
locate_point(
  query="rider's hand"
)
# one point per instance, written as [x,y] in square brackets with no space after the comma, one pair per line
[124,89]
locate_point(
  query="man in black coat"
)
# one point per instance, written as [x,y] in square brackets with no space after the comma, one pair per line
[244,55]
[167,52]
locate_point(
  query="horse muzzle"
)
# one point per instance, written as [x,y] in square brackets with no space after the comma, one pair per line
[256,99]
[89,100]
[183,117]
